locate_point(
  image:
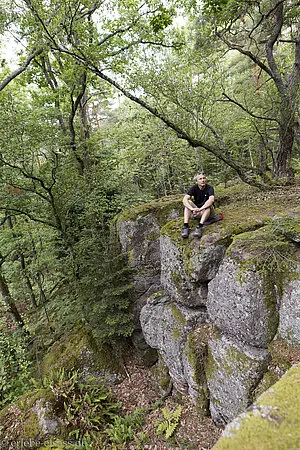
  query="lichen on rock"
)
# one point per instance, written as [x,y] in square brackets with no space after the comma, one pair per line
[233,371]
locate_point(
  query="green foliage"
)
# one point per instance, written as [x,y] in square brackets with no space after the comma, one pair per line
[105,289]
[15,377]
[86,406]
[122,429]
[224,8]
[162,19]
[170,422]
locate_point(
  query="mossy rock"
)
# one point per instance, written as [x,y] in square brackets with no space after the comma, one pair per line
[196,354]
[160,208]
[161,375]
[274,421]
[31,417]
[78,350]
[177,314]
[283,356]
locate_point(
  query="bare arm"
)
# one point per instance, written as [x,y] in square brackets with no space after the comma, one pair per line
[186,202]
[208,203]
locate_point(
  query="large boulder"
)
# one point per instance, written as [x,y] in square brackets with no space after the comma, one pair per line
[78,350]
[273,422]
[187,266]
[166,327]
[31,420]
[244,297]
[289,323]
[233,371]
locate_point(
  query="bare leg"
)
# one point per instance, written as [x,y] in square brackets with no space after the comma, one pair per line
[205,215]
[187,215]
[187,212]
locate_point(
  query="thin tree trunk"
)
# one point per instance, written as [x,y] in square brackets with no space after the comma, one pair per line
[27,281]
[11,306]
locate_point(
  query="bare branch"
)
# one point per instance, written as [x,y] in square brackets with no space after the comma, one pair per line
[250,55]
[21,69]
[30,216]
[247,111]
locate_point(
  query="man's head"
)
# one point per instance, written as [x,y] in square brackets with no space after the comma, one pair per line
[201,180]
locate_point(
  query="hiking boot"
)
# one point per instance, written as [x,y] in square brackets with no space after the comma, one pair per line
[198,232]
[185,232]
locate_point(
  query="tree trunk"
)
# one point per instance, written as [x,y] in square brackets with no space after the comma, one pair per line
[282,160]
[11,306]
[27,281]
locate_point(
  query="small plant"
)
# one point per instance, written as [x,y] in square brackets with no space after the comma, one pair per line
[86,406]
[15,377]
[122,429]
[140,439]
[170,422]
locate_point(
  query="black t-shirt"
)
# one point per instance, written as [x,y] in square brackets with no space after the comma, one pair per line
[201,196]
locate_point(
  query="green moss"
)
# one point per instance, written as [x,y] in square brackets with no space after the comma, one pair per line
[130,257]
[32,427]
[177,314]
[269,378]
[287,226]
[157,295]
[161,374]
[161,208]
[211,365]
[19,420]
[196,350]
[26,401]
[78,349]
[176,333]
[172,229]
[233,359]
[278,424]
[177,279]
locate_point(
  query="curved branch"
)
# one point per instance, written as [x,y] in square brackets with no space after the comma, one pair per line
[21,69]
[247,111]
[30,216]
[250,55]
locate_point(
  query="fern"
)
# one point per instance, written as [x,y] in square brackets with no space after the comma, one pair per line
[170,422]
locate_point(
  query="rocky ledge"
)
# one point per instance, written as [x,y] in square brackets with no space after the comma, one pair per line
[217,309]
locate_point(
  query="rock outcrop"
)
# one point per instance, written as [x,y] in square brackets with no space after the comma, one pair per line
[213,307]
[272,422]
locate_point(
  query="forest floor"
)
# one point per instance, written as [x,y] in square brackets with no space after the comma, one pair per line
[139,390]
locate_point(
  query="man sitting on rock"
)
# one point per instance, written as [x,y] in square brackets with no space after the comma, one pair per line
[198,204]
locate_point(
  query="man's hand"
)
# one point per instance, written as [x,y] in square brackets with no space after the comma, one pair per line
[196,211]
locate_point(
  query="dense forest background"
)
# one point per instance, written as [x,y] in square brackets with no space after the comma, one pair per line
[108,104]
